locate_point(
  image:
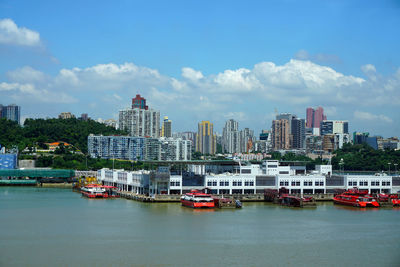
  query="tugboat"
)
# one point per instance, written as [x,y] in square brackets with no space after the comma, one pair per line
[196,199]
[356,198]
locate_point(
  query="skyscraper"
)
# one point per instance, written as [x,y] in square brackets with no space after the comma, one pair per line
[140,120]
[230,137]
[280,134]
[246,140]
[206,141]
[166,128]
[318,117]
[310,117]
[298,133]
[11,112]
[314,117]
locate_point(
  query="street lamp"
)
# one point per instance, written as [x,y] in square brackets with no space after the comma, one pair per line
[395,169]
[389,166]
[341,166]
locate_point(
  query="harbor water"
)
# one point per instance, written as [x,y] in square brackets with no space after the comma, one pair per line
[58,227]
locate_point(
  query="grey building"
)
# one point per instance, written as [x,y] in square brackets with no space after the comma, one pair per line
[140,122]
[298,131]
[231,137]
[11,112]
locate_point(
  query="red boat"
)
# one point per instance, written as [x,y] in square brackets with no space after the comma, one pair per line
[392,198]
[98,191]
[197,199]
[356,198]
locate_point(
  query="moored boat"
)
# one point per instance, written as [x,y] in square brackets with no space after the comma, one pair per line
[295,201]
[98,191]
[197,199]
[356,198]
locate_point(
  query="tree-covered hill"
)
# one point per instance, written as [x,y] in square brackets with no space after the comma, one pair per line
[364,158]
[36,132]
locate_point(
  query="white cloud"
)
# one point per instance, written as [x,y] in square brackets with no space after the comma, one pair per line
[361,115]
[244,93]
[191,74]
[11,34]
[25,75]
[29,92]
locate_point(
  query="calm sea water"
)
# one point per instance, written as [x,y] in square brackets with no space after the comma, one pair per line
[57,227]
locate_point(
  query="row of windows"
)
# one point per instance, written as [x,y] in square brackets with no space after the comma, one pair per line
[298,183]
[177,183]
[234,183]
[365,183]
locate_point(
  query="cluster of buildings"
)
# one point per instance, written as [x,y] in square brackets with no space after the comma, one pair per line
[249,179]
[146,140]
[11,112]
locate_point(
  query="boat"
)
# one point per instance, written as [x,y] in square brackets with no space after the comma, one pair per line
[98,191]
[356,198]
[388,199]
[226,203]
[197,199]
[295,201]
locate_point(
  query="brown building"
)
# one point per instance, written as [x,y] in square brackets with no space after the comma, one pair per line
[280,134]
[328,142]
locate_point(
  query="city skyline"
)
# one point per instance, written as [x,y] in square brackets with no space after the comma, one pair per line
[238,64]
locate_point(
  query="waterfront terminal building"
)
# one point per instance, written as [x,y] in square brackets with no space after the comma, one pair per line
[249,179]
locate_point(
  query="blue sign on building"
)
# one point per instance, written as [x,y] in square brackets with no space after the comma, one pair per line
[8,161]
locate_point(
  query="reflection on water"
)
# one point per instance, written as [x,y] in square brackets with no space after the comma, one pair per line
[57,227]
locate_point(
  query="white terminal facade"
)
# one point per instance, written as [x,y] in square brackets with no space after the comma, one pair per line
[250,179]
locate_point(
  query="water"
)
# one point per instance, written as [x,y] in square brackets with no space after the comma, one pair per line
[57,227]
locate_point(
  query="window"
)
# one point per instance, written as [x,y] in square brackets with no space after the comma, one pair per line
[286,183]
[307,183]
[293,183]
[177,183]
[385,183]
[251,183]
[316,183]
[234,183]
[214,183]
[321,183]
[246,183]
[283,172]
[209,183]
[226,183]
[281,183]
[172,184]
[239,183]
[221,183]
[297,183]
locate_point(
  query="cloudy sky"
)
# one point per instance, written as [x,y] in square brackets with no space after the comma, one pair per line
[205,60]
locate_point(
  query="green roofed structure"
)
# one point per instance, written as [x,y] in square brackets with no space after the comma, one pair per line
[37,173]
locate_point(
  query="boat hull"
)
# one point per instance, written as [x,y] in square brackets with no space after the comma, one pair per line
[197,205]
[360,204]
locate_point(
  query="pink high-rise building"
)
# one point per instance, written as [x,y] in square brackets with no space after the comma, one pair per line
[314,117]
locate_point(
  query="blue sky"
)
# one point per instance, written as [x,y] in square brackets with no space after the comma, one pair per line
[205,60]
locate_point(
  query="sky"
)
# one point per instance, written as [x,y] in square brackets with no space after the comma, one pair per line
[205,60]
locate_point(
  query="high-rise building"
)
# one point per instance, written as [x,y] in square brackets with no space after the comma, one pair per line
[334,127]
[166,128]
[246,140]
[206,142]
[310,118]
[314,117]
[318,117]
[230,137]
[140,120]
[11,112]
[298,133]
[280,134]
[175,149]
[139,102]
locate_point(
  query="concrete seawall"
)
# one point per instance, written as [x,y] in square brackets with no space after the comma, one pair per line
[176,198]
